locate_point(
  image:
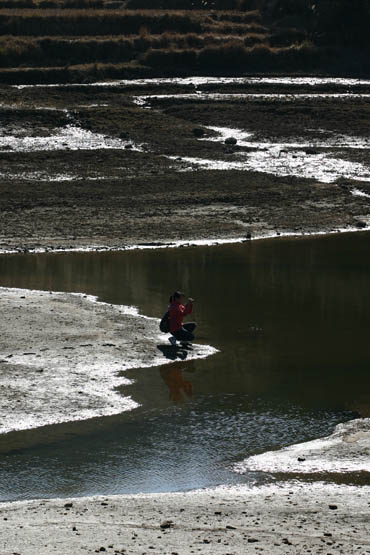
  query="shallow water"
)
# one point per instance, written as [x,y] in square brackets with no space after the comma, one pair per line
[291,320]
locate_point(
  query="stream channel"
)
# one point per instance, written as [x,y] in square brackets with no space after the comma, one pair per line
[290,318]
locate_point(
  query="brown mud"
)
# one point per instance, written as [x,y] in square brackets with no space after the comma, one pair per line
[74,197]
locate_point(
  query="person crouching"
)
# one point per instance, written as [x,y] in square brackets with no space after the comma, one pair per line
[178,310]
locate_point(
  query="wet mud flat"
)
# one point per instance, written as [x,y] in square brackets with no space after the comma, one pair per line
[146,161]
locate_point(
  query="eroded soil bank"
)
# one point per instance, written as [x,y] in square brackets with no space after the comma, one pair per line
[95,166]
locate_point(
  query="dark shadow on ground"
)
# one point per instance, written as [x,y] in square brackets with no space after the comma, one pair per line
[173,352]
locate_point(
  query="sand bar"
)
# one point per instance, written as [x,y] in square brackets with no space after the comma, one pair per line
[63,356]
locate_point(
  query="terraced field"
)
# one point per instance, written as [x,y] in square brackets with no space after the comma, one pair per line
[60,44]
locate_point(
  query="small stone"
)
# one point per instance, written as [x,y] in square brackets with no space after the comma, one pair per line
[360,225]
[102,549]
[252,540]
[167,524]
[333,507]
[301,459]
[228,527]
[68,505]
[198,132]
[230,141]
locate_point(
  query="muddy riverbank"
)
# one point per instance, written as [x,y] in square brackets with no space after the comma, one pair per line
[95,166]
[113,167]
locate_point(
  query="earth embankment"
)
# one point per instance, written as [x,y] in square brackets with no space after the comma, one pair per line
[70,41]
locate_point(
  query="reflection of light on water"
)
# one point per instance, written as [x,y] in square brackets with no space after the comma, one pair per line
[226,97]
[358,193]
[310,81]
[198,81]
[66,138]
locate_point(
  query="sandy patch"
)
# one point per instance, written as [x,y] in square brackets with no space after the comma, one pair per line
[346,450]
[280,519]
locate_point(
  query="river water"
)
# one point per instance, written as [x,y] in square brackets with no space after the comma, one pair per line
[290,318]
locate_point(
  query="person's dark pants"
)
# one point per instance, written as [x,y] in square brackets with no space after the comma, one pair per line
[186,332]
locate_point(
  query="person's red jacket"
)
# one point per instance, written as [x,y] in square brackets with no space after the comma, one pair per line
[177,313]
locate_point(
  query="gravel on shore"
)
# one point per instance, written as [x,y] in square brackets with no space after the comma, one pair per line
[279,519]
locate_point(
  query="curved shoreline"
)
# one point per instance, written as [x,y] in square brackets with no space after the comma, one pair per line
[154,245]
[280,519]
[297,518]
[73,351]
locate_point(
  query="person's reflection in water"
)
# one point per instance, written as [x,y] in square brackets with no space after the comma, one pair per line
[172,375]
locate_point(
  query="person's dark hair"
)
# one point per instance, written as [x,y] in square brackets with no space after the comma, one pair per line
[176,295]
